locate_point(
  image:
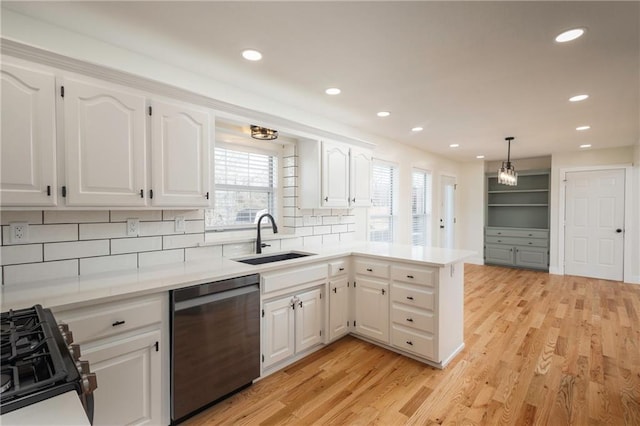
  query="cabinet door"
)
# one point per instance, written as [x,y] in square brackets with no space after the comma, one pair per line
[105,145]
[27,151]
[335,175]
[309,316]
[179,156]
[372,308]
[498,254]
[360,178]
[128,372]
[278,335]
[532,257]
[338,307]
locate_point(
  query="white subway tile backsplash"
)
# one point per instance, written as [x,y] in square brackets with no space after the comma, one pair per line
[237,249]
[336,229]
[330,238]
[12,255]
[329,220]
[289,181]
[202,253]
[290,243]
[75,249]
[289,172]
[304,231]
[102,264]
[97,231]
[193,226]
[72,216]
[289,201]
[134,245]
[321,230]
[181,241]
[157,228]
[45,233]
[289,221]
[142,215]
[289,191]
[289,212]
[153,258]
[32,217]
[187,214]
[15,274]
[348,237]
[312,241]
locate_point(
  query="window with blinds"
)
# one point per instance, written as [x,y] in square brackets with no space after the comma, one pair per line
[245,187]
[383,204]
[420,207]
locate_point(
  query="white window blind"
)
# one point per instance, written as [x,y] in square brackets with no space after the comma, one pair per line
[383,208]
[420,207]
[245,187]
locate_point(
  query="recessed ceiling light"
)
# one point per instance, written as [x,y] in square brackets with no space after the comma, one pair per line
[384,114]
[479,157]
[586,145]
[454,145]
[578,98]
[417,129]
[583,128]
[251,55]
[332,91]
[570,35]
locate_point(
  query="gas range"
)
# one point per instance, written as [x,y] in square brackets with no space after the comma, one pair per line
[39,361]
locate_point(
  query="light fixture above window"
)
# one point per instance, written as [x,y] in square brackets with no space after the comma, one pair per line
[507,174]
[263,134]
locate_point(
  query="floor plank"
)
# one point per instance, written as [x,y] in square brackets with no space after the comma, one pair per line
[540,349]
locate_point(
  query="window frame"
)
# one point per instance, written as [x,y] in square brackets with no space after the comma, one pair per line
[427,234]
[393,198]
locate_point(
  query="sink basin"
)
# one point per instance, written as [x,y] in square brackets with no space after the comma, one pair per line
[269,258]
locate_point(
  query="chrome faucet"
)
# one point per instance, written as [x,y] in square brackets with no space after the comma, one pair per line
[259,243]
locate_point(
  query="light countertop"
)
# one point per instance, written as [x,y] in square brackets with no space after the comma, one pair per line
[71,292]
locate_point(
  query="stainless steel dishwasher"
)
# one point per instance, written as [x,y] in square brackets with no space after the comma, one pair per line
[215,342]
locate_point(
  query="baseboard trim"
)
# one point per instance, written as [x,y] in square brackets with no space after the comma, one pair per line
[554,270]
[475,260]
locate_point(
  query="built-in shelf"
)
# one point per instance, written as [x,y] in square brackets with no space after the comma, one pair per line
[519,205]
[518,190]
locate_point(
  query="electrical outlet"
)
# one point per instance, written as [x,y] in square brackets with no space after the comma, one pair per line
[180,224]
[133,227]
[19,232]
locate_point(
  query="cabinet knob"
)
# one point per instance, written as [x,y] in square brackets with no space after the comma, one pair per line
[530,243]
[354,200]
[619,230]
[383,292]
[326,198]
[410,276]
[335,289]
[369,270]
[409,342]
[340,269]
[117,323]
[410,319]
[409,297]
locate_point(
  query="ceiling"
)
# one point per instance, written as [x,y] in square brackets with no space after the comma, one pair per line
[469,73]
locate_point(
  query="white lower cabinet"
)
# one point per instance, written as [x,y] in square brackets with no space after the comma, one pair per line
[338,307]
[291,324]
[123,342]
[372,308]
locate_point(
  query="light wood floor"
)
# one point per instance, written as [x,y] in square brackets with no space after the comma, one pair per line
[540,349]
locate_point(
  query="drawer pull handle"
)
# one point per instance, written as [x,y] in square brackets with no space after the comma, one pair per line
[410,276]
[499,233]
[409,297]
[409,342]
[335,290]
[499,241]
[117,323]
[369,270]
[410,319]
[340,269]
[531,235]
[530,243]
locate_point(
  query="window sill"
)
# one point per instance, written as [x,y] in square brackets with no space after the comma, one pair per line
[217,238]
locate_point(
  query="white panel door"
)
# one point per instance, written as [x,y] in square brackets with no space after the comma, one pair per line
[27,150]
[372,308]
[105,145]
[335,175]
[360,178]
[309,310]
[594,222]
[128,372]
[179,155]
[447,211]
[279,330]
[338,307]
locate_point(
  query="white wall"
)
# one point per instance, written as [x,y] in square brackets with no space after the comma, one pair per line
[471,190]
[601,157]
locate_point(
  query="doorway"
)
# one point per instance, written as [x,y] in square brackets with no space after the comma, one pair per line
[594,223]
[447,211]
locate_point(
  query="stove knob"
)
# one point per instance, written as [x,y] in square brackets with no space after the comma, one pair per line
[89,383]
[83,367]
[74,350]
[66,334]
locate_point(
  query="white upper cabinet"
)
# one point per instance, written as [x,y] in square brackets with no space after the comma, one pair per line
[335,175]
[332,174]
[105,155]
[360,178]
[27,150]
[180,145]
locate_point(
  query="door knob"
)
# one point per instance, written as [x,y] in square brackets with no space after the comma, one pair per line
[618,230]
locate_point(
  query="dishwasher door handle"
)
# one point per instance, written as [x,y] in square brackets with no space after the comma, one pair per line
[215,297]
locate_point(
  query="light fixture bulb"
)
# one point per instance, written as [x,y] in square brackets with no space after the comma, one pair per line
[383,114]
[578,98]
[586,145]
[570,35]
[507,174]
[479,157]
[251,55]
[417,129]
[454,145]
[581,128]
[332,91]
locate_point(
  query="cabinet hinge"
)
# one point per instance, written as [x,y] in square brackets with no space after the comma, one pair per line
[64,191]
[62,91]
[320,333]
[48,190]
[262,357]
[263,313]
[150,110]
[151,193]
[157,346]
[354,323]
[354,284]
[320,296]
[207,195]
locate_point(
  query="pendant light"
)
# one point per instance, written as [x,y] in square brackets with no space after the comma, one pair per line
[263,133]
[507,174]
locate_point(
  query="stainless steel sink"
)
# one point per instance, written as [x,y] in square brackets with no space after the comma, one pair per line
[269,258]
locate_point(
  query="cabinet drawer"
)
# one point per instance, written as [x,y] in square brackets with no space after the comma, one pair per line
[425,276]
[514,241]
[413,295]
[273,281]
[95,322]
[518,233]
[407,316]
[338,267]
[374,269]
[421,344]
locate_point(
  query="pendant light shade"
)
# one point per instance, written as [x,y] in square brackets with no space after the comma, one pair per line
[263,133]
[507,174]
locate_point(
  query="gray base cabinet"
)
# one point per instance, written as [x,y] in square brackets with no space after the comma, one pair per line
[519,247]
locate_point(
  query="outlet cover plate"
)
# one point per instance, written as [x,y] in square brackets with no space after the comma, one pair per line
[133,227]
[19,232]
[180,224]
